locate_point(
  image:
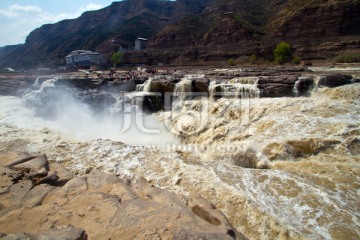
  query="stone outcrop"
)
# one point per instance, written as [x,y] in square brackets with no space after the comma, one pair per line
[40,203]
[336,80]
[304,85]
[162,86]
[201,85]
[280,86]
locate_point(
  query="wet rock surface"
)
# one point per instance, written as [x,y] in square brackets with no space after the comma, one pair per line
[54,204]
[335,80]
[281,86]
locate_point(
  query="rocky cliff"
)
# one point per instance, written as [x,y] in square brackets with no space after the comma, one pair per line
[198,29]
[316,29]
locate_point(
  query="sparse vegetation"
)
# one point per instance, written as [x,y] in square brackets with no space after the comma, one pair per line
[296,60]
[117,59]
[231,62]
[282,52]
[348,58]
[253,59]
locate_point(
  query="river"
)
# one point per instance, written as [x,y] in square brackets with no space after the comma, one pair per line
[279,168]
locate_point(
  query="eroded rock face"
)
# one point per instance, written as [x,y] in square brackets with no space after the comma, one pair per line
[201,85]
[336,80]
[279,86]
[304,85]
[103,205]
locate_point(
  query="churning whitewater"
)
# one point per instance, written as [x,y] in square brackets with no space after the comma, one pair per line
[277,167]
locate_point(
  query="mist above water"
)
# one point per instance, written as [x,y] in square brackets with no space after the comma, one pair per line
[59,108]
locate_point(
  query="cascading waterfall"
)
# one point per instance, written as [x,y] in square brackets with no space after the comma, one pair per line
[296,87]
[147,85]
[34,96]
[36,82]
[140,87]
[183,89]
[242,88]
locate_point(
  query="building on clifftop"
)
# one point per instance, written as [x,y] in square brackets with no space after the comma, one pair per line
[140,43]
[84,59]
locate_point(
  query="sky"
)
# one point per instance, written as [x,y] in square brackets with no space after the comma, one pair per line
[19,17]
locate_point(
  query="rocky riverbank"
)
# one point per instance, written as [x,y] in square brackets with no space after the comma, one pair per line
[45,200]
[99,89]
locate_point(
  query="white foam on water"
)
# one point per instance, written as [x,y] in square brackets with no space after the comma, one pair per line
[300,201]
[77,121]
[14,112]
[334,69]
[291,199]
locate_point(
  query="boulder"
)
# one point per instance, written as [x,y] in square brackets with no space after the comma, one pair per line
[334,80]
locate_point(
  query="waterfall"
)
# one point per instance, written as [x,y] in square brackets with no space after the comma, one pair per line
[35,95]
[36,82]
[296,87]
[183,89]
[140,88]
[245,80]
[248,91]
[147,85]
[242,88]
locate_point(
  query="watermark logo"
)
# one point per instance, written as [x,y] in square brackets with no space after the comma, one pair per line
[190,113]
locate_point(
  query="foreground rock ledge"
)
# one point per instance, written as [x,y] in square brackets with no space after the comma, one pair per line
[42,200]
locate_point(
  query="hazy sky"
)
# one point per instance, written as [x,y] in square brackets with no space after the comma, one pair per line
[19,17]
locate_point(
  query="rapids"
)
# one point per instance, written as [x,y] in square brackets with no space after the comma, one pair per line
[279,168]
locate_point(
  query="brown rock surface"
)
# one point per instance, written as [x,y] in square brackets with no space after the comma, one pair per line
[335,80]
[105,206]
[66,232]
[278,86]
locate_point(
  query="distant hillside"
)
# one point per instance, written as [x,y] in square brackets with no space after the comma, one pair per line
[198,29]
[318,29]
[121,21]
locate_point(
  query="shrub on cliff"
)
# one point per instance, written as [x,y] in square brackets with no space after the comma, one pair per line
[296,60]
[348,58]
[253,59]
[231,62]
[117,58]
[282,52]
